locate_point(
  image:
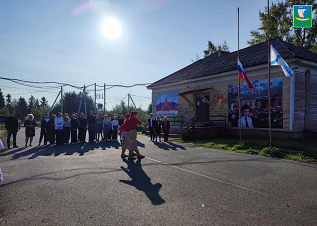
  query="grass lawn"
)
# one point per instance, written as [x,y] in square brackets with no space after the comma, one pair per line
[298,150]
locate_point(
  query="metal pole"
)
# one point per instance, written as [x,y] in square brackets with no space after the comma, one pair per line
[62,99]
[81,99]
[269,69]
[54,102]
[132,101]
[95,98]
[85,101]
[104,98]
[128,102]
[239,100]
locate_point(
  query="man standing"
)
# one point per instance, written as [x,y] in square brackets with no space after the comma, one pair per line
[12,125]
[91,126]
[151,126]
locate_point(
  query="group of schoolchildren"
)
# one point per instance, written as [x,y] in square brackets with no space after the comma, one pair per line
[63,129]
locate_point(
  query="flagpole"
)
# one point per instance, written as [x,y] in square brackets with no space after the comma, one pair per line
[269,69]
[239,100]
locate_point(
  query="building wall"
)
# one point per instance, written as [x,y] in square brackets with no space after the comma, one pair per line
[313,102]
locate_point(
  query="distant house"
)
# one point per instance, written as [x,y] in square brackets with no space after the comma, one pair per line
[208,86]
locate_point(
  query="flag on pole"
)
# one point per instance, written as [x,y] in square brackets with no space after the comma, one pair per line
[243,74]
[276,59]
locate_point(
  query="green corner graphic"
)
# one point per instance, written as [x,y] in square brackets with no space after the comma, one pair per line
[299,22]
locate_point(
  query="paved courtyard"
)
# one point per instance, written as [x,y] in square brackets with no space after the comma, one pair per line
[176,184]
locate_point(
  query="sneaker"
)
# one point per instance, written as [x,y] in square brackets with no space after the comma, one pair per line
[15,146]
[141,157]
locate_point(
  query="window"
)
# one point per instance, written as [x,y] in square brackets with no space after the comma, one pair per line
[250,104]
[280,102]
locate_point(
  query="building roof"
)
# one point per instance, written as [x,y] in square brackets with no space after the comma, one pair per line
[250,56]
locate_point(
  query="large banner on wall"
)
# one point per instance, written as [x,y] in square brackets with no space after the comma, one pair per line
[257,102]
[167,104]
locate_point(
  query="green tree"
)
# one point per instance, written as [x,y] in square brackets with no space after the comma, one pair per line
[8,101]
[2,102]
[71,102]
[21,108]
[4,111]
[31,103]
[281,25]
[149,109]
[43,102]
[212,48]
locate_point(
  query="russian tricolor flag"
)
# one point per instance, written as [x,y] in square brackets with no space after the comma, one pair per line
[243,74]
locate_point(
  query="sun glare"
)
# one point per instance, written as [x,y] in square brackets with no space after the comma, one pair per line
[111,28]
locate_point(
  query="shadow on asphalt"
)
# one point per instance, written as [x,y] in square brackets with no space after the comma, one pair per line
[56,150]
[141,181]
[168,146]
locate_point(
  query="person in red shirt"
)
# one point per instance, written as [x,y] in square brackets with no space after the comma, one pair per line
[130,133]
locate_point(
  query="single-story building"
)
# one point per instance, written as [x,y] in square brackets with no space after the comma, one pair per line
[207,88]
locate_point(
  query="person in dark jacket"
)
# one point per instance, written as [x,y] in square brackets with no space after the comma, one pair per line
[166,126]
[73,128]
[158,128]
[151,122]
[12,126]
[91,126]
[82,128]
[44,129]
[51,129]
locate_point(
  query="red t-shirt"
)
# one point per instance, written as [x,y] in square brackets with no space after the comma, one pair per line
[130,124]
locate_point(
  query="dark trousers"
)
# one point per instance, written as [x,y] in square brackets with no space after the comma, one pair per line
[91,130]
[74,135]
[109,134]
[59,137]
[45,135]
[51,136]
[14,134]
[151,133]
[66,134]
[115,133]
[157,133]
[82,134]
[165,135]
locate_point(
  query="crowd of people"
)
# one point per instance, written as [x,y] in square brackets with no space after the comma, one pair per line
[63,129]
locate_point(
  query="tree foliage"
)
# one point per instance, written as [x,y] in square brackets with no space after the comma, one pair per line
[2,102]
[281,25]
[22,108]
[212,48]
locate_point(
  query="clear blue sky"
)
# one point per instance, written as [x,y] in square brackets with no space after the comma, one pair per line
[62,41]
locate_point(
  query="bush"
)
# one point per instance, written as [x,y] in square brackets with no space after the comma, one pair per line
[141,128]
[274,152]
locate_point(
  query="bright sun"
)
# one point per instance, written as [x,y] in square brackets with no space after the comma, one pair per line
[111,28]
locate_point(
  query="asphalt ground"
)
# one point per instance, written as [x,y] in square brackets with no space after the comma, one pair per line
[176,184]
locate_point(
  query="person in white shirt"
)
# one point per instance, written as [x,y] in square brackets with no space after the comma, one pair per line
[59,124]
[115,126]
[246,121]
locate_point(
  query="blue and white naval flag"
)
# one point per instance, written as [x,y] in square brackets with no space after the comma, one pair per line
[276,59]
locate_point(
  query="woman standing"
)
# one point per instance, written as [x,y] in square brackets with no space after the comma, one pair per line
[98,126]
[82,128]
[44,129]
[166,126]
[110,129]
[106,128]
[74,127]
[67,126]
[51,129]
[29,125]
[59,123]
[115,126]
[158,127]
